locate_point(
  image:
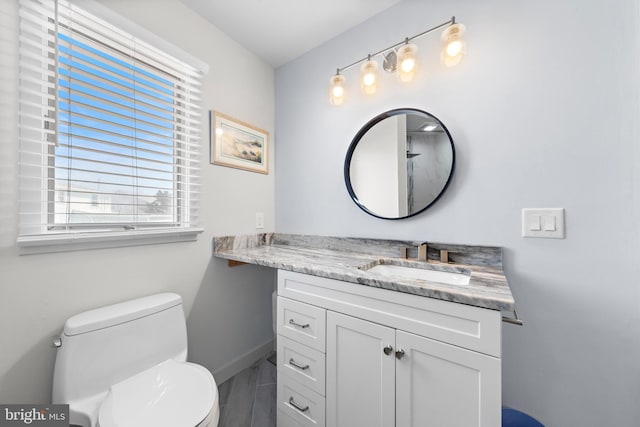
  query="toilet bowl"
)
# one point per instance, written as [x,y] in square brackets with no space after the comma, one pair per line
[156,397]
[125,365]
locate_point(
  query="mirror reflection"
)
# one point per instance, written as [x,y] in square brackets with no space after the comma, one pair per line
[399,163]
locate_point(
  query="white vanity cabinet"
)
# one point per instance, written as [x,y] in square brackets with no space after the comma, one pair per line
[390,358]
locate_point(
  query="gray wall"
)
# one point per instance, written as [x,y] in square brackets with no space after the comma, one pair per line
[228,310]
[544,113]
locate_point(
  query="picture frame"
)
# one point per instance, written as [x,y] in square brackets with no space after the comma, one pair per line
[237,144]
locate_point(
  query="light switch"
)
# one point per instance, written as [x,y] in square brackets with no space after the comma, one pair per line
[543,223]
[549,222]
[534,223]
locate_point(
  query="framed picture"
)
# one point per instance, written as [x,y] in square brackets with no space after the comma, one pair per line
[238,145]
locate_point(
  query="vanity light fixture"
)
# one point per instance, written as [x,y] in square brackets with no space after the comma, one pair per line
[408,61]
[336,96]
[454,47]
[369,79]
[400,58]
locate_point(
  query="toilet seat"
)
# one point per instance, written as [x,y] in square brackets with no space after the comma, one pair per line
[170,394]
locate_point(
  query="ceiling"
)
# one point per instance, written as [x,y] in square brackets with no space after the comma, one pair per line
[281,30]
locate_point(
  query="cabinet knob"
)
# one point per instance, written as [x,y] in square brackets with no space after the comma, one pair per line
[399,353]
[387,350]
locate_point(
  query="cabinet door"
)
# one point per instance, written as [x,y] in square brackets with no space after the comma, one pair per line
[439,384]
[360,376]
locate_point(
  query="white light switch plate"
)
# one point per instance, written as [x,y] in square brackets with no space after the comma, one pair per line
[259,220]
[547,223]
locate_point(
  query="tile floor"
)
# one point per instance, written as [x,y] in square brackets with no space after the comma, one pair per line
[249,398]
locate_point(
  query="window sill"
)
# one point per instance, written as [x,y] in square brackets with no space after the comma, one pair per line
[77,241]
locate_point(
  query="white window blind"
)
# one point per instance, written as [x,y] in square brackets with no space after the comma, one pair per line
[109,128]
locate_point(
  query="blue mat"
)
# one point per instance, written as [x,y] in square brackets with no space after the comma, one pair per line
[514,418]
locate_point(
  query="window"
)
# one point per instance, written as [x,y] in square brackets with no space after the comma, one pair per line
[109,130]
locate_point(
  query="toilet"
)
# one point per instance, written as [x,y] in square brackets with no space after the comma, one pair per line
[125,365]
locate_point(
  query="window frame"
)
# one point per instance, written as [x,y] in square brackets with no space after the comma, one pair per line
[66,237]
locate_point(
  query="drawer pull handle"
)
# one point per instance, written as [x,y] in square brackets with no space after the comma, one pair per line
[387,350]
[298,407]
[399,354]
[293,322]
[293,363]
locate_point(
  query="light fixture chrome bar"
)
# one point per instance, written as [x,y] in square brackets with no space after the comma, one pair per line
[406,40]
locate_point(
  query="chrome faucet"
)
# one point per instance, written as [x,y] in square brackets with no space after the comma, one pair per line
[403,253]
[445,256]
[422,251]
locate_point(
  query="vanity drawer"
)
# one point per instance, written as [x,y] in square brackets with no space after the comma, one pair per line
[283,420]
[303,323]
[302,363]
[304,406]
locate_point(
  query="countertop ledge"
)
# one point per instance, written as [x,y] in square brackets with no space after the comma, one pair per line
[339,258]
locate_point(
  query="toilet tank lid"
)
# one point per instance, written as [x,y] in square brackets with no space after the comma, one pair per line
[116,314]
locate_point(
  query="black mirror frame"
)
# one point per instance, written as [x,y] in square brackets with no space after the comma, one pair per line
[364,130]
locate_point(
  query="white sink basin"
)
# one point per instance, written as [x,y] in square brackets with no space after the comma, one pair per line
[406,272]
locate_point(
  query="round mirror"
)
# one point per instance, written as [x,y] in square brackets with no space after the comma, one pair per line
[399,163]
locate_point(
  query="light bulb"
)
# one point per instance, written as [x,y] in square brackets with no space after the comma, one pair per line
[453,45]
[369,77]
[408,62]
[454,48]
[336,93]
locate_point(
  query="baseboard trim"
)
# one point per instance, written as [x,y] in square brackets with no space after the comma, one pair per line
[243,361]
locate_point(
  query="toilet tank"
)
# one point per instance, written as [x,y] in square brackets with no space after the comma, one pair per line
[104,346]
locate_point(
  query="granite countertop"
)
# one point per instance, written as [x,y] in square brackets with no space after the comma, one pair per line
[340,258]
